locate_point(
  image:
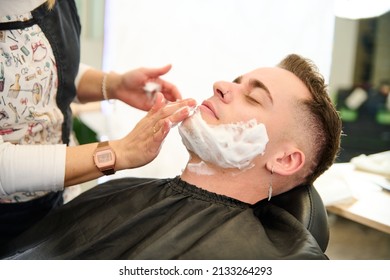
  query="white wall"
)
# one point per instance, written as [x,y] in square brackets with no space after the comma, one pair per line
[91,13]
[206,41]
[344,54]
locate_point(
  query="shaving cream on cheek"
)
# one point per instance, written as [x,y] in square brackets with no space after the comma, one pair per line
[226,145]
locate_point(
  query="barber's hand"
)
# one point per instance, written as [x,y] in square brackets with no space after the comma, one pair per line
[129,87]
[144,142]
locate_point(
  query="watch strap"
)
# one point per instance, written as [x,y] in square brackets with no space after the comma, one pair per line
[109,171]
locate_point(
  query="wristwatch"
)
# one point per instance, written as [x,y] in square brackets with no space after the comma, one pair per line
[104,158]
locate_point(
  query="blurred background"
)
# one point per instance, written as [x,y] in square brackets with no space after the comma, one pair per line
[207,41]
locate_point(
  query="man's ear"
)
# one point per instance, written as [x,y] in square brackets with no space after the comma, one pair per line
[286,163]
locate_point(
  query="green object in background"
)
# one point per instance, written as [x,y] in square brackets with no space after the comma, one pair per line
[348,115]
[383,117]
[84,133]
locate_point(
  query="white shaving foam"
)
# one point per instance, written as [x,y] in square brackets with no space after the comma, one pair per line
[150,89]
[226,145]
[200,168]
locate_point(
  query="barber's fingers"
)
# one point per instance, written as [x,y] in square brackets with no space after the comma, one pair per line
[161,109]
[180,115]
[144,142]
[159,102]
[170,107]
[160,131]
[163,126]
[169,90]
[163,116]
[157,72]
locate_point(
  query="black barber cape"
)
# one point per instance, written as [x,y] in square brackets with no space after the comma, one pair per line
[136,218]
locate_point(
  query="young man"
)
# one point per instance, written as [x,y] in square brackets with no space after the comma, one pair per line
[259,136]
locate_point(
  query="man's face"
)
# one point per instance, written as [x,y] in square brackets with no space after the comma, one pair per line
[266,94]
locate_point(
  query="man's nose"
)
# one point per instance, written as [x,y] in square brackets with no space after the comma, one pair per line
[223,91]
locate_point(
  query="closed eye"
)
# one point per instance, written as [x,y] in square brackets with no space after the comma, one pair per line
[252,99]
[256,84]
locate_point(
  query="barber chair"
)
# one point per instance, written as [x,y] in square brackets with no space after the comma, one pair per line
[305,204]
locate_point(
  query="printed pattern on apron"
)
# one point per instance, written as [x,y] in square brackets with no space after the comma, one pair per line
[28,86]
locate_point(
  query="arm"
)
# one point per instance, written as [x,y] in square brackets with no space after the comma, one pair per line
[31,167]
[51,167]
[136,149]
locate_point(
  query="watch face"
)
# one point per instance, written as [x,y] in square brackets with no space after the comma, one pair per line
[105,158]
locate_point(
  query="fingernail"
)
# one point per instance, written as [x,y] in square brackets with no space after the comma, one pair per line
[185,111]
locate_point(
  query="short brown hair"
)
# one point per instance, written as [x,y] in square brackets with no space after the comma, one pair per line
[50,4]
[320,117]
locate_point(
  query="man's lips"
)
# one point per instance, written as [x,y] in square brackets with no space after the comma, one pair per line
[208,108]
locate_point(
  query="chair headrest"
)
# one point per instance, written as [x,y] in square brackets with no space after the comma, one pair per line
[306,205]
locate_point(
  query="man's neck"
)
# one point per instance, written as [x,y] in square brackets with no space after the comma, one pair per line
[243,185]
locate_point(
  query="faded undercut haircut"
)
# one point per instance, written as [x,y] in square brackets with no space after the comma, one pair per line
[320,118]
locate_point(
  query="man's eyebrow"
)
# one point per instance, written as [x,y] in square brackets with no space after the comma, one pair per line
[254,83]
[237,80]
